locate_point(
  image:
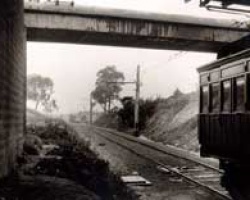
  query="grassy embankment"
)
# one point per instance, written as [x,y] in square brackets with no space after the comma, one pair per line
[57,164]
[174,121]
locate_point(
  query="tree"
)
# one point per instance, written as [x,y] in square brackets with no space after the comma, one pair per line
[108,86]
[126,113]
[40,89]
[177,93]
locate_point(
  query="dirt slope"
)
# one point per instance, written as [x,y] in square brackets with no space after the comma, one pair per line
[175,122]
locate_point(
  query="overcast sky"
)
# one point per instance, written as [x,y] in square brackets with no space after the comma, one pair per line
[73,68]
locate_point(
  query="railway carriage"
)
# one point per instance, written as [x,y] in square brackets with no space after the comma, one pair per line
[224,113]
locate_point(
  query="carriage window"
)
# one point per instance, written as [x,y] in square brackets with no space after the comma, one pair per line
[204,99]
[215,97]
[239,97]
[226,96]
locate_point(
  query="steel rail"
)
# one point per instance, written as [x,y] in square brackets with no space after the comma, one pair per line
[146,143]
[209,188]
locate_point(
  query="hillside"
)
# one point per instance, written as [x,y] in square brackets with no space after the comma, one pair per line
[175,122]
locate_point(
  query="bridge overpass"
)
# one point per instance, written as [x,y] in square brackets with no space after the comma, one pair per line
[89,25]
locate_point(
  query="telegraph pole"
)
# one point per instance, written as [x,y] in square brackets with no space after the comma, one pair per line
[137,99]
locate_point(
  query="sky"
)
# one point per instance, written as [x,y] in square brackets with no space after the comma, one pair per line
[73,68]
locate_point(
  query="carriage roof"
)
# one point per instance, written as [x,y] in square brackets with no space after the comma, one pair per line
[242,55]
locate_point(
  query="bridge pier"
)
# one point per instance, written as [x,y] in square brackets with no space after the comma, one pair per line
[12,82]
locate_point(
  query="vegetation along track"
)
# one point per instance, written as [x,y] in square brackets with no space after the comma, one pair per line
[201,174]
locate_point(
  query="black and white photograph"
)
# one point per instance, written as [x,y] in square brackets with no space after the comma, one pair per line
[125,100]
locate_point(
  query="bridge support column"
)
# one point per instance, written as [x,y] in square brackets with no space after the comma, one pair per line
[12,82]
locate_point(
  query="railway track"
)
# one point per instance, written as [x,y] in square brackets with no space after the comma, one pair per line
[201,174]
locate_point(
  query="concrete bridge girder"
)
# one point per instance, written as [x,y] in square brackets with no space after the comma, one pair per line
[115,30]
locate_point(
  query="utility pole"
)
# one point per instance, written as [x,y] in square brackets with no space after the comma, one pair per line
[91,110]
[137,99]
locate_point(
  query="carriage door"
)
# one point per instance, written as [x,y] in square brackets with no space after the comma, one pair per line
[239,123]
[203,128]
[204,99]
[226,116]
[214,116]
[226,96]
